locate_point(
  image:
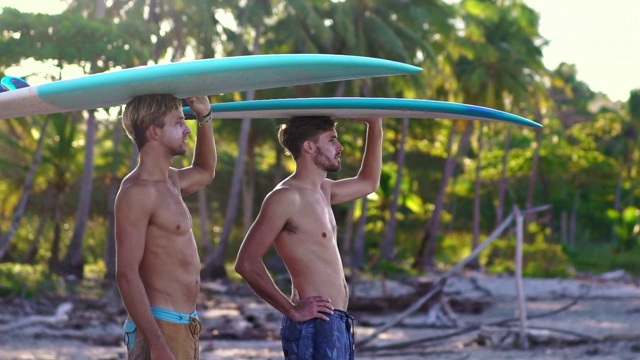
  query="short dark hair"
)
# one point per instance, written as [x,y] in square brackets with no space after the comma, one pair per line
[299,129]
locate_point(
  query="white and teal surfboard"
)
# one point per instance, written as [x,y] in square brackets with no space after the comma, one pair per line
[363,107]
[194,78]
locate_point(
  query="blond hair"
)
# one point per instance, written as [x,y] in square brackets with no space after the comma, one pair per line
[145,110]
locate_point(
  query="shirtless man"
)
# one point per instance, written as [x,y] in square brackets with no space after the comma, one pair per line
[157,263]
[296,217]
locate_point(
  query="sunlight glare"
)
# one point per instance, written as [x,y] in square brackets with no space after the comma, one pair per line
[36,6]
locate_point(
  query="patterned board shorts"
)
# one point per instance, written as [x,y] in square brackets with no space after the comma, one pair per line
[318,339]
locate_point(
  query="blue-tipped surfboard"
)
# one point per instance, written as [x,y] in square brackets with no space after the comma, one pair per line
[363,107]
[194,78]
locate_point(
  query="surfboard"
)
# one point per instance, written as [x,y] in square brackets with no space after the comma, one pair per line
[343,107]
[194,78]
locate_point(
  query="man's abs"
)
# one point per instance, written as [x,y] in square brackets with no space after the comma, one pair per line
[335,289]
[317,273]
[170,272]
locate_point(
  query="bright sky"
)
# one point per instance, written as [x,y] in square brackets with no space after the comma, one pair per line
[599,37]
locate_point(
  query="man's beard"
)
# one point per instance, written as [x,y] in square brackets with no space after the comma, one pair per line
[324,162]
[179,150]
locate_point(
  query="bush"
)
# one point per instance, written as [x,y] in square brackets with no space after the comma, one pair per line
[539,259]
[25,280]
[597,258]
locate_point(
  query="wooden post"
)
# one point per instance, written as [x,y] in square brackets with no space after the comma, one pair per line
[523,342]
[563,227]
[439,284]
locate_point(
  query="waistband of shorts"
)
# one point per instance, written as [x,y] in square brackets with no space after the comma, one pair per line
[173,316]
[343,314]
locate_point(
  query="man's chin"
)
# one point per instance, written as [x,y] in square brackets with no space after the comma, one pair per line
[179,152]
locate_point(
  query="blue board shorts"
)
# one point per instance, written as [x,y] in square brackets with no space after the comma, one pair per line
[318,339]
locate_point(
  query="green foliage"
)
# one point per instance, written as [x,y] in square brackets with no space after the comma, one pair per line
[453,248]
[480,52]
[45,37]
[540,258]
[603,258]
[626,226]
[544,259]
[25,280]
[393,270]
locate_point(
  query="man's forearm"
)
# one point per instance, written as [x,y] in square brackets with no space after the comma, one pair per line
[372,159]
[138,307]
[259,280]
[205,154]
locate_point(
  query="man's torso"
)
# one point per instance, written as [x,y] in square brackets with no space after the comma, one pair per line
[308,247]
[170,267]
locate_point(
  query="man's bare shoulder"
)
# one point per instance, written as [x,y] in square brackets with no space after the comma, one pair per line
[282,194]
[136,191]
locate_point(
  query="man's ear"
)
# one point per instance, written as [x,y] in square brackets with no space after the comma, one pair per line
[309,146]
[153,132]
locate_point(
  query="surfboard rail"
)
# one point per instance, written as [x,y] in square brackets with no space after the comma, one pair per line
[194,78]
[345,107]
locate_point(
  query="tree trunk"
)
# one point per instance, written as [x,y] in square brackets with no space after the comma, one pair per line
[534,176]
[475,263]
[203,214]
[574,219]
[57,225]
[563,227]
[346,249]
[5,240]
[249,183]
[35,244]
[114,185]
[214,264]
[502,184]
[616,207]
[387,246]
[72,263]
[428,246]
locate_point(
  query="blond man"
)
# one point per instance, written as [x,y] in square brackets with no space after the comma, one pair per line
[157,263]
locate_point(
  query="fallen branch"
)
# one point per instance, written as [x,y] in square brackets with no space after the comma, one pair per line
[60,315]
[97,336]
[440,284]
[464,330]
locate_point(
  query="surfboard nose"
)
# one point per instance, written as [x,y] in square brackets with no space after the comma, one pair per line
[13,83]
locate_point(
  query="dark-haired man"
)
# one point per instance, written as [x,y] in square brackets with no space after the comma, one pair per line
[297,219]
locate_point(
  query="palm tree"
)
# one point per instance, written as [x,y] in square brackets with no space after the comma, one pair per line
[427,250]
[475,263]
[72,263]
[6,238]
[501,67]
[387,245]
[214,263]
[62,161]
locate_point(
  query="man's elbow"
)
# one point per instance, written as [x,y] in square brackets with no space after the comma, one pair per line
[373,185]
[211,175]
[241,267]
[123,278]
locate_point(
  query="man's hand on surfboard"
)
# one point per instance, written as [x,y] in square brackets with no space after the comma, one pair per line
[370,121]
[199,105]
